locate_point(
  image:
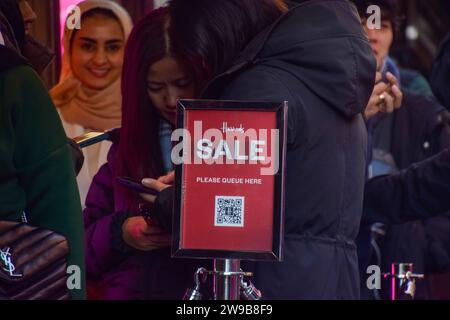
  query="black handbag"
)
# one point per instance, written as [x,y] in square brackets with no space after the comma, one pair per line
[33,263]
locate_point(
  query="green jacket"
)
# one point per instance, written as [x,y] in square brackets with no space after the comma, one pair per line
[36,171]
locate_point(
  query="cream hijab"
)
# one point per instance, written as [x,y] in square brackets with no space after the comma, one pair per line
[77,104]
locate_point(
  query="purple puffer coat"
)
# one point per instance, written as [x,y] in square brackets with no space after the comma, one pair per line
[127,274]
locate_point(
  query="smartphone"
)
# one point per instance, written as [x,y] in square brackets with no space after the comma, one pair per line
[90,138]
[135,185]
[94,137]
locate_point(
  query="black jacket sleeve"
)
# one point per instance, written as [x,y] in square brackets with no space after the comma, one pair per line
[163,210]
[418,192]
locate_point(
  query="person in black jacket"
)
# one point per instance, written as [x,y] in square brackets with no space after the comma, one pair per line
[326,70]
[418,192]
[412,133]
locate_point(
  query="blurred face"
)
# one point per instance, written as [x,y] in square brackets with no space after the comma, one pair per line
[29,16]
[168,81]
[97,52]
[380,40]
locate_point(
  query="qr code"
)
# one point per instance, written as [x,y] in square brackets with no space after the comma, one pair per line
[229,211]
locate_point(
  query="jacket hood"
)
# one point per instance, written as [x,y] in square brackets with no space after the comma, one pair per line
[322,44]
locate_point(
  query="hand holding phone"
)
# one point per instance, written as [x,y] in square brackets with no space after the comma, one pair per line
[135,185]
[141,235]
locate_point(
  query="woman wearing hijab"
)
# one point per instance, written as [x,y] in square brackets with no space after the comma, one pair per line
[88,94]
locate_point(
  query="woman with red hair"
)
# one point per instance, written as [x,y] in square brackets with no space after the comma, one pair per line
[127,256]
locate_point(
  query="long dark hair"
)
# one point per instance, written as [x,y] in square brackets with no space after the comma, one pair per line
[139,155]
[210,33]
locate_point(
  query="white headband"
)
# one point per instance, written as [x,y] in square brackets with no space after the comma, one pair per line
[2,41]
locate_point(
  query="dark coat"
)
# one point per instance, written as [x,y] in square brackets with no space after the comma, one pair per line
[420,129]
[318,59]
[418,192]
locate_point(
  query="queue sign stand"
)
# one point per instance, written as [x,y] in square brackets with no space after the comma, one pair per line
[403,281]
[229,183]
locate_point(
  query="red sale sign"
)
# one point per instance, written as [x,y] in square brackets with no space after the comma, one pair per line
[229,179]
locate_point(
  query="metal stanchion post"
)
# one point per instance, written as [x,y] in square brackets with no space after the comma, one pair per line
[403,281]
[227,279]
[228,283]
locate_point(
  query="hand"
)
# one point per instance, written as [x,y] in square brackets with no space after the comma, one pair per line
[372,107]
[141,235]
[168,178]
[385,97]
[155,185]
[395,91]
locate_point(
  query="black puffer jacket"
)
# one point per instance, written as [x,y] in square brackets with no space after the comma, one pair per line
[317,57]
[420,130]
